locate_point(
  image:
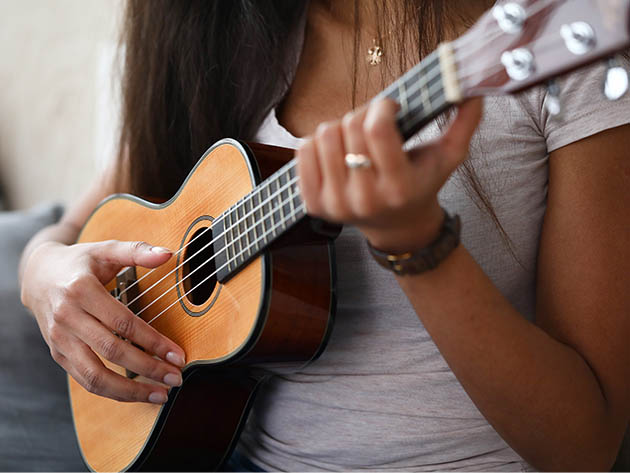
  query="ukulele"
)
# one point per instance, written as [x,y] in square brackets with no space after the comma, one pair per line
[251,285]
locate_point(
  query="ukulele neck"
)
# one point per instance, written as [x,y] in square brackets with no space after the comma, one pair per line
[275,206]
[425,91]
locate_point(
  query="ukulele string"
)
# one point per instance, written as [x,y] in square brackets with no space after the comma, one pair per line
[241,201]
[463,53]
[235,224]
[468,73]
[425,80]
[416,87]
[208,261]
[300,208]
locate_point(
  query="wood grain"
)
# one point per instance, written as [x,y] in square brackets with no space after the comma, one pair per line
[112,434]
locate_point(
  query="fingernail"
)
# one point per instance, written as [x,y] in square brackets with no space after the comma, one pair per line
[157,398]
[173,379]
[176,359]
[160,250]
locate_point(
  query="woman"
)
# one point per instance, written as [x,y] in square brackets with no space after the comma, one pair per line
[510,354]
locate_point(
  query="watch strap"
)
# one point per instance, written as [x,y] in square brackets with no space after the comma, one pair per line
[427,258]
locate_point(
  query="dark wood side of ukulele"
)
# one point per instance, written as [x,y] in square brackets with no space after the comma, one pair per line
[206,415]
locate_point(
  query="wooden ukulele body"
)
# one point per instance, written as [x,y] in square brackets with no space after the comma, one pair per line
[277,311]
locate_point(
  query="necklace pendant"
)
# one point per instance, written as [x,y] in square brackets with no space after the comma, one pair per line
[375,54]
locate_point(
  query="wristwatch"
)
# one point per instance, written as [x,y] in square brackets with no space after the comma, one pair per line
[427,258]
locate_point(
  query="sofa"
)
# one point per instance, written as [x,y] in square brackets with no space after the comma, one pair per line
[36,430]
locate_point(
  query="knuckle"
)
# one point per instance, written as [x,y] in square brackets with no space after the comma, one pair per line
[60,311]
[352,122]
[157,346]
[110,348]
[74,287]
[55,334]
[376,127]
[136,392]
[56,355]
[124,326]
[138,246]
[155,369]
[325,130]
[92,379]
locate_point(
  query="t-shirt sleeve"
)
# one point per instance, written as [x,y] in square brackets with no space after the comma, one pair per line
[585,109]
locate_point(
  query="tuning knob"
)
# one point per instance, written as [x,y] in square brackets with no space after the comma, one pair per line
[616,84]
[552,103]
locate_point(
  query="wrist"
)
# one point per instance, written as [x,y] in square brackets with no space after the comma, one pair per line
[30,252]
[415,234]
[424,259]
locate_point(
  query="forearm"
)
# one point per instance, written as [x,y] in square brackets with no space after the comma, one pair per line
[539,394]
[63,232]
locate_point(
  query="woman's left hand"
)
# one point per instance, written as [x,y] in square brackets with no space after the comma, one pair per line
[393,201]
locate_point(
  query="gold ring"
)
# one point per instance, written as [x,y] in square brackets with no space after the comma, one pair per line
[357,161]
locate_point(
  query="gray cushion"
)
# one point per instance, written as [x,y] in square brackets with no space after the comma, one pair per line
[36,430]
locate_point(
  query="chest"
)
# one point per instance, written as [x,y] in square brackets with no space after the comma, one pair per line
[332,77]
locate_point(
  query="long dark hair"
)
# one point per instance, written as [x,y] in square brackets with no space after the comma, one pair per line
[196,71]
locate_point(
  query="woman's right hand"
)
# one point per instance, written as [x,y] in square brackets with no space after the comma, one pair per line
[63,286]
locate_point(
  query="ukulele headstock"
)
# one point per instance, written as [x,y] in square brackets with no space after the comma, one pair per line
[520,43]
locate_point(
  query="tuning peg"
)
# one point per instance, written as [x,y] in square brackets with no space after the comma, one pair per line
[616,84]
[552,104]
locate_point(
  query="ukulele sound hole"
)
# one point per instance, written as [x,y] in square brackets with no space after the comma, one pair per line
[199,267]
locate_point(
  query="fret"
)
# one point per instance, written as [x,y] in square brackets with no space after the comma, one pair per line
[229,244]
[290,192]
[296,200]
[266,205]
[426,99]
[258,219]
[402,98]
[272,209]
[279,197]
[285,200]
[420,93]
[255,204]
[251,240]
[242,233]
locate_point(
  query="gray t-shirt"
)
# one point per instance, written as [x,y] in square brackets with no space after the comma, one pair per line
[381,396]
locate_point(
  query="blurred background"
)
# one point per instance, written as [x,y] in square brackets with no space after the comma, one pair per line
[58,126]
[58,99]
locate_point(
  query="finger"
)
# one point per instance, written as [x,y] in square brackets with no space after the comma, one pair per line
[352,132]
[130,253]
[361,182]
[383,140]
[455,143]
[102,341]
[330,154]
[309,176]
[114,315]
[90,372]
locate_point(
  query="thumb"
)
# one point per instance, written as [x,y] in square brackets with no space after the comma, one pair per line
[118,254]
[455,142]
